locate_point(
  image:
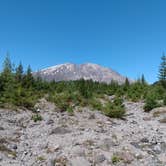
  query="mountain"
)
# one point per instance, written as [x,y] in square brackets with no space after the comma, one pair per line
[69,71]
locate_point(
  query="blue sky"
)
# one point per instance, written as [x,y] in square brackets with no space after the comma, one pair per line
[126,35]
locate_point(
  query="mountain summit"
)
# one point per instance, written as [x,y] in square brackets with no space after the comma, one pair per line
[69,71]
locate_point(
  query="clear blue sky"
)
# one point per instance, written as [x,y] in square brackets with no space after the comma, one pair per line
[126,35]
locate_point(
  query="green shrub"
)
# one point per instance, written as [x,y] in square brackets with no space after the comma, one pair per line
[62,100]
[84,102]
[118,101]
[63,106]
[27,102]
[150,103]
[114,112]
[95,104]
[115,109]
[115,159]
[36,117]
[70,110]
[41,158]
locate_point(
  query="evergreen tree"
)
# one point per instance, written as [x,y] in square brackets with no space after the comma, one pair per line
[6,75]
[127,83]
[85,88]
[7,65]
[162,69]
[7,81]
[28,78]
[143,81]
[19,73]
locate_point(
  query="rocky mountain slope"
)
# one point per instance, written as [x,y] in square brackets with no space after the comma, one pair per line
[86,71]
[87,138]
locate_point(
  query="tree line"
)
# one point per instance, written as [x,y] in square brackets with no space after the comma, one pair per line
[18,88]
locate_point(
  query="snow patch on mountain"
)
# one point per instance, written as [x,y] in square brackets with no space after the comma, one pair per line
[70,71]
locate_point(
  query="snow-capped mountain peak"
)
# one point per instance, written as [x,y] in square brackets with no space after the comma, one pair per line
[70,71]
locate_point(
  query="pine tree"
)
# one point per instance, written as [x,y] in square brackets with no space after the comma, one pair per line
[143,81]
[127,83]
[7,81]
[162,69]
[85,88]
[6,75]
[19,73]
[28,78]
[7,65]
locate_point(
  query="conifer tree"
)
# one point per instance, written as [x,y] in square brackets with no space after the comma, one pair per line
[28,78]
[19,73]
[7,80]
[162,69]
[7,65]
[143,81]
[127,83]
[6,75]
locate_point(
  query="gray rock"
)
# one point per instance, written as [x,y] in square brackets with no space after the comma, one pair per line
[157,149]
[154,162]
[78,151]
[60,130]
[163,146]
[133,122]
[144,140]
[162,158]
[107,143]
[49,121]
[14,146]
[127,157]
[99,158]
[135,144]
[51,162]
[1,128]
[1,158]
[91,116]
[154,140]
[43,145]
[80,161]
[147,118]
[139,156]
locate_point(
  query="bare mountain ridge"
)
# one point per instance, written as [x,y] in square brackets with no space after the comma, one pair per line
[70,71]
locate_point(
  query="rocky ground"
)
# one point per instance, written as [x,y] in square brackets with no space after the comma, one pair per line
[86,138]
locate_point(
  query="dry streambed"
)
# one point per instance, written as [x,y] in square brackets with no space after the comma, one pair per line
[86,138]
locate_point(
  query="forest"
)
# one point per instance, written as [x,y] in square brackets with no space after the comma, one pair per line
[19,89]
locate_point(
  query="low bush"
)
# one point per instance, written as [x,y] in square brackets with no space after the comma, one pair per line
[95,104]
[115,109]
[70,110]
[36,117]
[150,103]
[115,159]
